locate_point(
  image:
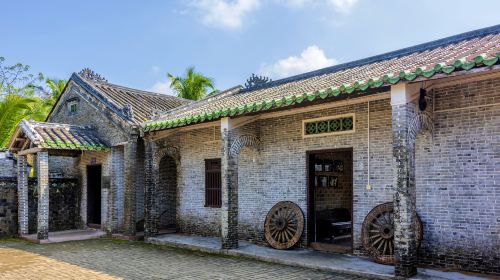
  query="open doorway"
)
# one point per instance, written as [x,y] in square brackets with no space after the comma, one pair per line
[330,200]
[94,173]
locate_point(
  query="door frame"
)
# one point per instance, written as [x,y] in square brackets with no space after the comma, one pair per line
[92,166]
[310,193]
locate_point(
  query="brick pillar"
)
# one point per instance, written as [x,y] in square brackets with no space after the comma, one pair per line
[116,191]
[151,181]
[43,195]
[22,194]
[229,174]
[404,195]
[130,156]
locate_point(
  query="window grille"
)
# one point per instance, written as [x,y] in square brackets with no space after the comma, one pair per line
[213,183]
[329,125]
[72,108]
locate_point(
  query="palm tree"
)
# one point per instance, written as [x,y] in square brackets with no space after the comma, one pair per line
[56,88]
[193,85]
[14,108]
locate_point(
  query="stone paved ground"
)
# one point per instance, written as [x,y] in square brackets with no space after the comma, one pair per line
[111,259]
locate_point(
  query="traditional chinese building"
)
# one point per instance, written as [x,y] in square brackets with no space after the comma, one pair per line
[394,156]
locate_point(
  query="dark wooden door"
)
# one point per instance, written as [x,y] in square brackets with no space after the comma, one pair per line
[94,194]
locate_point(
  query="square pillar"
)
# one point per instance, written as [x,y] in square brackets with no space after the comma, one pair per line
[43,195]
[404,199]
[229,176]
[130,156]
[22,194]
[116,191]
[151,181]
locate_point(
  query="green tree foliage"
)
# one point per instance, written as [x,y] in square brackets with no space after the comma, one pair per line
[192,85]
[21,97]
[56,88]
[13,108]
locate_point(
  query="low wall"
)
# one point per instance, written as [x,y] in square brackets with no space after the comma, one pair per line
[64,205]
[8,206]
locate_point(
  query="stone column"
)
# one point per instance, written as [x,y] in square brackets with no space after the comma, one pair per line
[43,195]
[22,194]
[151,181]
[229,174]
[116,191]
[404,182]
[130,156]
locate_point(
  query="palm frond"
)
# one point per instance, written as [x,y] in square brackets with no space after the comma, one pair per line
[192,85]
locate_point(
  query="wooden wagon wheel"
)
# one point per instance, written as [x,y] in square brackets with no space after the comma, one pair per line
[284,225]
[378,233]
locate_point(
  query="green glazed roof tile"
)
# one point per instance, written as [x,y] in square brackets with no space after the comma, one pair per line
[425,64]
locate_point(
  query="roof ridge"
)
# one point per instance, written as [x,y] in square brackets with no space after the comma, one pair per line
[224,94]
[384,56]
[145,92]
[32,122]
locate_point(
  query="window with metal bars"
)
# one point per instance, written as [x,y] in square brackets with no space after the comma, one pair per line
[213,183]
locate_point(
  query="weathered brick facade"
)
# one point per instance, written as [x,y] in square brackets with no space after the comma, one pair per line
[457,175]
[64,205]
[43,195]
[442,165]
[93,112]
[463,139]
[8,206]
[8,166]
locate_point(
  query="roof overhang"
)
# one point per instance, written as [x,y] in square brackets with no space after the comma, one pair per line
[60,139]
[460,67]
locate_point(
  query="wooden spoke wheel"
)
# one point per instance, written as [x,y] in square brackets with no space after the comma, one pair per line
[378,233]
[284,225]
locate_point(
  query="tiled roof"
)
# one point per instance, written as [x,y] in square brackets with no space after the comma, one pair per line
[62,136]
[480,48]
[143,103]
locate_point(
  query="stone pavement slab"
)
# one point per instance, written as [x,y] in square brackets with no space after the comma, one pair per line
[66,235]
[116,259]
[301,257]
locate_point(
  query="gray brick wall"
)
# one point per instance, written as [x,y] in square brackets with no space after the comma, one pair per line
[89,113]
[95,158]
[8,165]
[167,193]
[8,206]
[456,173]
[194,148]
[278,172]
[64,205]
[457,178]
[116,197]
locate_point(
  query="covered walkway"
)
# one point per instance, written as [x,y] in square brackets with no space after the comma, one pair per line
[306,258]
[41,140]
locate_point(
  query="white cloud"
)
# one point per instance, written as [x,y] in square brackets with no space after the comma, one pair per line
[340,6]
[311,58]
[296,3]
[162,87]
[343,6]
[155,69]
[224,13]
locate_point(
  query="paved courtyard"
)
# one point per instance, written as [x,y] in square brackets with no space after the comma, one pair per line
[111,259]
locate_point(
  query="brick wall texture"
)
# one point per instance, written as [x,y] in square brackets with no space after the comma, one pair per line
[91,112]
[64,206]
[8,166]
[8,206]
[456,173]
[457,179]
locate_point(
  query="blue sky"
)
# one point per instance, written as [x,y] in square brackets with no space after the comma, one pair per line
[135,43]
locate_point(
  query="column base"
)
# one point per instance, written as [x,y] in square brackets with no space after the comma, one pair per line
[406,266]
[229,244]
[42,235]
